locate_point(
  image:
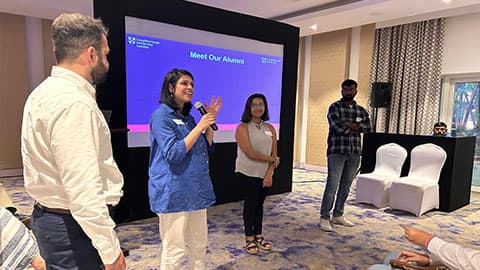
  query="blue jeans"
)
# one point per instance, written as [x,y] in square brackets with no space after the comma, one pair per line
[341,170]
[62,242]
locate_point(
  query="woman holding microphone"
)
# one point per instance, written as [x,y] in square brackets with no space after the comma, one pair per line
[180,189]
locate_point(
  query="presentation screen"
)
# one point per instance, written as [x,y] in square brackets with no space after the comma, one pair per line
[222,65]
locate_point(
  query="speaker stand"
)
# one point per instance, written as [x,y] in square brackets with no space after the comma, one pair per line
[375,116]
[387,120]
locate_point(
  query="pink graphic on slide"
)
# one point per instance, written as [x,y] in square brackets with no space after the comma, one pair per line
[146,128]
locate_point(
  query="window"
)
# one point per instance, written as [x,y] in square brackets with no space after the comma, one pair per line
[462,95]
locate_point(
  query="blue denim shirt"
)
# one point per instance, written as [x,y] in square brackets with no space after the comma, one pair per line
[179,180]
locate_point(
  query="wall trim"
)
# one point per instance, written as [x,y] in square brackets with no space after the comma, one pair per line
[304,102]
[311,167]
[11,172]
[34,40]
[354,62]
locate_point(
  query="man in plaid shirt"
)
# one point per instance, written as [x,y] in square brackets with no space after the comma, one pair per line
[347,120]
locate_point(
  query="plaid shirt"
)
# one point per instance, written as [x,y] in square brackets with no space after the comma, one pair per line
[340,141]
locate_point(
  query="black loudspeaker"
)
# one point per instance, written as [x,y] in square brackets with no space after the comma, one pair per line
[381,94]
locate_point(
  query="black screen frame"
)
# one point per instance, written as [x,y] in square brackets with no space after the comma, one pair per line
[111,95]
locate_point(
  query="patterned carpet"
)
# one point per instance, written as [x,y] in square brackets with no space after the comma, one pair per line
[291,224]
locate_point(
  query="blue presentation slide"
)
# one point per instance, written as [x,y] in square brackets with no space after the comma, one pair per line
[233,75]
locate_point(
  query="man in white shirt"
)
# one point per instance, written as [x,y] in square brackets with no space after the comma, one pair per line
[67,156]
[451,255]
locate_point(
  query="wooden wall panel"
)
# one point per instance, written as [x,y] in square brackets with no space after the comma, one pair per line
[367,38]
[14,89]
[329,67]
[48,56]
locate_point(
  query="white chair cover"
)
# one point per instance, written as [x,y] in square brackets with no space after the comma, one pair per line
[374,187]
[418,192]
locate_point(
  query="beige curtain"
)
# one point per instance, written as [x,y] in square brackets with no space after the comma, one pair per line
[409,56]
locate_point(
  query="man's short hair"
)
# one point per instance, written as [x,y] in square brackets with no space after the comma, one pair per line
[349,82]
[440,124]
[73,33]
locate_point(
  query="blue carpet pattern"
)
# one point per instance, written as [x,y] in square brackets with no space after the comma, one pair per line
[291,225]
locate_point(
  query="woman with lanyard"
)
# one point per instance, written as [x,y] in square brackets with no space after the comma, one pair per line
[256,160]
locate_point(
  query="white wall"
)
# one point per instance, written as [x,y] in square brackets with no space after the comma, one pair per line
[461,51]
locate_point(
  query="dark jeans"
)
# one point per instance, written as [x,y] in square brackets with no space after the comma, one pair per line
[253,204]
[62,242]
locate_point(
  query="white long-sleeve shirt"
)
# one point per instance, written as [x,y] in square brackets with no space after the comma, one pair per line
[453,256]
[67,156]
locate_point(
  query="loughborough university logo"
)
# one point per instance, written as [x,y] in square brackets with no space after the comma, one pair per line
[132,40]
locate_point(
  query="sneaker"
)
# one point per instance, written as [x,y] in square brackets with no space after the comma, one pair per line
[125,251]
[341,220]
[325,225]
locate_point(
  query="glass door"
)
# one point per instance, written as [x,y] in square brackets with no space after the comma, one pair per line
[466,117]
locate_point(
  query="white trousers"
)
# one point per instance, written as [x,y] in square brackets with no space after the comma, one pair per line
[183,234]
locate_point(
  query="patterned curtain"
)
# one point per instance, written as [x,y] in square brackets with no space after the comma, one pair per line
[409,56]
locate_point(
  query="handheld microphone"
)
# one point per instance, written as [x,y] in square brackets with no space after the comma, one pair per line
[202,111]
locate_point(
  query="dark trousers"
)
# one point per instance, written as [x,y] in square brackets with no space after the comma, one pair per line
[62,242]
[253,204]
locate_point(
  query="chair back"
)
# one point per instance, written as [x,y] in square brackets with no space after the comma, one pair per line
[426,162]
[390,159]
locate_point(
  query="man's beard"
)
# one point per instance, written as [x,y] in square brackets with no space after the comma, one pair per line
[348,98]
[99,73]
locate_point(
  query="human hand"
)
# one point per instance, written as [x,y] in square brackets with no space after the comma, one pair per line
[267,180]
[354,128]
[215,106]
[118,264]
[416,236]
[206,121]
[276,162]
[409,256]
[38,263]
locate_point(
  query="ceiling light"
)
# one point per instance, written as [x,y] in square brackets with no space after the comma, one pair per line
[447,1]
[313,27]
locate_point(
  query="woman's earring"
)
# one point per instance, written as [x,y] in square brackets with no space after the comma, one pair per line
[171,95]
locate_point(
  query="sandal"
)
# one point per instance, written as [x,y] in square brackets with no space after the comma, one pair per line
[251,246]
[261,243]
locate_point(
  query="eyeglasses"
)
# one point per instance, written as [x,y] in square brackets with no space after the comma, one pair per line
[439,129]
[257,105]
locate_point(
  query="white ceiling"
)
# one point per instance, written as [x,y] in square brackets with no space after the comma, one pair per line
[268,8]
[327,15]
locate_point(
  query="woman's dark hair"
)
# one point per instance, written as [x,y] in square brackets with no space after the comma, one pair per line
[247,113]
[166,96]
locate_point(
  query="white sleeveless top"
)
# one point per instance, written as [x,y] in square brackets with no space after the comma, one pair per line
[261,141]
